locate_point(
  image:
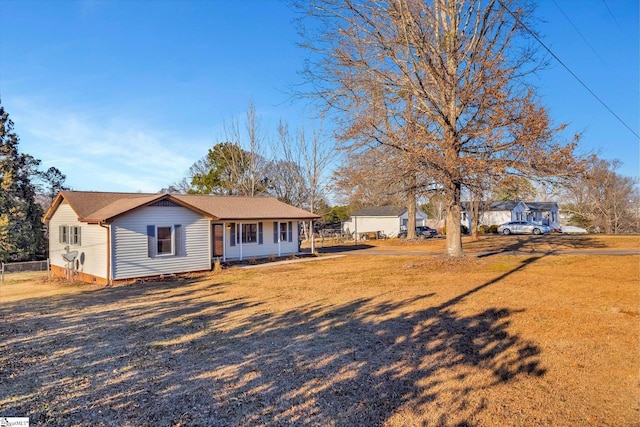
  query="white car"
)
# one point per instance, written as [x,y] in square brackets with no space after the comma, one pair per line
[523,227]
[570,229]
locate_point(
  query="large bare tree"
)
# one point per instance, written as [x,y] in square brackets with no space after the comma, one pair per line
[457,65]
[602,200]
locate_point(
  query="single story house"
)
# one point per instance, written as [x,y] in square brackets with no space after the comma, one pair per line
[496,213]
[108,237]
[389,220]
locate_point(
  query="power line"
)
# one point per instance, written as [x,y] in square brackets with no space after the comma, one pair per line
[580,33]
[612,16]
[568,69]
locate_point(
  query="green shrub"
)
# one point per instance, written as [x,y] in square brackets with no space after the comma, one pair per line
[493,229]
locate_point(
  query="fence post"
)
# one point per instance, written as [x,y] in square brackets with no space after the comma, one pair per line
[48,269]
[1,272]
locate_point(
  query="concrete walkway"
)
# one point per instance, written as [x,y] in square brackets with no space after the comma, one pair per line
[290,261]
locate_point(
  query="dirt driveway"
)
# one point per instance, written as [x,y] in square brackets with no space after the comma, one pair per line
[403,340]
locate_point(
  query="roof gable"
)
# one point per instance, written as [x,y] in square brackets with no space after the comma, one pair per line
[510,205]
[541,206]
[96,207]
[85,203]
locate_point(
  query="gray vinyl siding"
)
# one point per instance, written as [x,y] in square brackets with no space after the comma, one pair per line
[130,243]
[92,251]
[246,251]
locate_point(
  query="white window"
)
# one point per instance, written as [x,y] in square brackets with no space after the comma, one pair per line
[64,234]
[249,233]
[70,235]
[283,232]
[164,240]
[74,235]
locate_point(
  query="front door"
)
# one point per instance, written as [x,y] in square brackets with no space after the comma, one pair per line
[218,240]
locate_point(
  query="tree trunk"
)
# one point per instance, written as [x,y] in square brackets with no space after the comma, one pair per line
[411,210]
[454,237]
[474,210]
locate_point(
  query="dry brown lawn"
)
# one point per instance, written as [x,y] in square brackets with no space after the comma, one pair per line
[503,339]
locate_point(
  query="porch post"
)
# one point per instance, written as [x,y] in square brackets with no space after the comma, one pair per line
[240,239]
[355,226]
[224,241]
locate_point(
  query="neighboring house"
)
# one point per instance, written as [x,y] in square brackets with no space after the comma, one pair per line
[389,220]
[491,213]
[106,237]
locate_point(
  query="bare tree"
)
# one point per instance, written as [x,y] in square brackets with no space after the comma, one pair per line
[458,65]
[513,188]
[368,178]
[308,159]
[237,166]
[376,176]
[286,175]
[252,172]
[602,200]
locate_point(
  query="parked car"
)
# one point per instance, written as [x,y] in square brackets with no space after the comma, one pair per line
[523,227]
[422,231]
[569,229]
[425,231]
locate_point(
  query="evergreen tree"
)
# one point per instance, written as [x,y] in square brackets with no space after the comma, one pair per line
[21,229]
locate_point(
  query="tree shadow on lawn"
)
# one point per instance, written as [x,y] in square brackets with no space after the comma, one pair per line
[160,354]
[542,244]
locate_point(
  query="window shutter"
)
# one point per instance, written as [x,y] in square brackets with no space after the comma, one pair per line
[290,233]
[177,231]
[151,240]
[232,234]
[79,236]
[275,232]
[61,234]
[259,233]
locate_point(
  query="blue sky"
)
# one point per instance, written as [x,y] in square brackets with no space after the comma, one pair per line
[126,95]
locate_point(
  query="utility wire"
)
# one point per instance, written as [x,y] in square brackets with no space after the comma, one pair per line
[612,16]
[568,69]
[580,33]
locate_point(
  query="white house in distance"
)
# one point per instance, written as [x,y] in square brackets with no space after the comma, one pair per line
[496,213]
[109,237]
[389,220]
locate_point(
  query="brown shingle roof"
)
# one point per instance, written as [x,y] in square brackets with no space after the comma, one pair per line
[236,207]
[97,207]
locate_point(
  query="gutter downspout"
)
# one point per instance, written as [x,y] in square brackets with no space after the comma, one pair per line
[108,228]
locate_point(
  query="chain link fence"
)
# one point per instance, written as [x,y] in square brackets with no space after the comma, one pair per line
[19,267]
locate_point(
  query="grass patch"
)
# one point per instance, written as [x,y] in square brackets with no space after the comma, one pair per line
[358,340]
